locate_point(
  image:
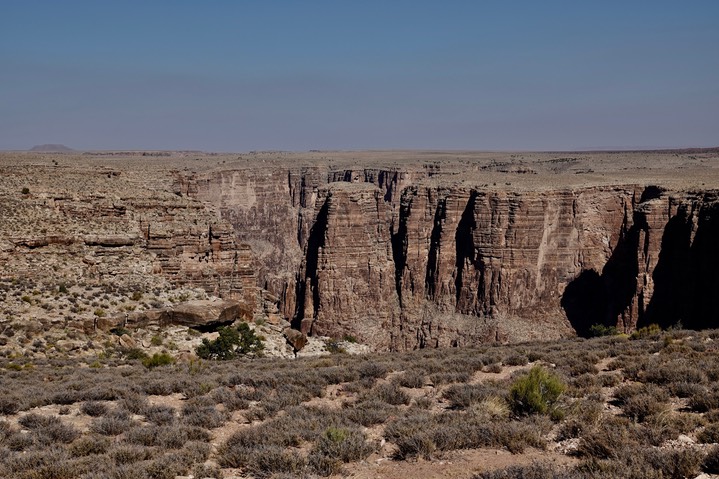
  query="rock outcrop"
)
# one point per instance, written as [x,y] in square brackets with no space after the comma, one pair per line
[199,314]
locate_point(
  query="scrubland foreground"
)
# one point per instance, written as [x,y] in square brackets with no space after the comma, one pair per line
[609,407]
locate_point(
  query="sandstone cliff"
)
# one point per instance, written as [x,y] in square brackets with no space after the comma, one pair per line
[396,250]
[400,260]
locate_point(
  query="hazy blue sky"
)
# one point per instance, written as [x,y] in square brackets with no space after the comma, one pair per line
[298,75]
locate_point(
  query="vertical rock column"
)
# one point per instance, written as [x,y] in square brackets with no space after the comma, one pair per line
[348,271]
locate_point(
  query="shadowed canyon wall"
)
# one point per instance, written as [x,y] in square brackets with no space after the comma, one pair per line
[401,259]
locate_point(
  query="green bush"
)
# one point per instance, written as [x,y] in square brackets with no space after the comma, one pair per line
[157,359]
[134,353]
[535,392]
[646,331]
[598,330]
[231,343]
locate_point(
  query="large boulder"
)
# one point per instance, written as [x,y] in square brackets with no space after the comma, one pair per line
[196,313]
[205,312]
[297,339]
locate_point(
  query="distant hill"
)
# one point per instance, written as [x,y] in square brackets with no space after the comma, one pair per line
[51,148]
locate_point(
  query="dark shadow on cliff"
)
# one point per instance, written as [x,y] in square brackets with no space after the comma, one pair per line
[464,243]
[704,273]
[399,248]
[585,301]
[315,241]
[672,284]
[594,298]
[686,278]
[430,275]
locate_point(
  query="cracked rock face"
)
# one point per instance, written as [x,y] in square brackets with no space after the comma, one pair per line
[397,250]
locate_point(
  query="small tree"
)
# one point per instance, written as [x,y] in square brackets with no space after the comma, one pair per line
[230,343]
[249,342]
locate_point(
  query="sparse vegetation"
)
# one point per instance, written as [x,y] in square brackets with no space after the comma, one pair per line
[606,396]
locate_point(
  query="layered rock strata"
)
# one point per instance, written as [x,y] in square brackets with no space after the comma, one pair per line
[423,253]
[400,261]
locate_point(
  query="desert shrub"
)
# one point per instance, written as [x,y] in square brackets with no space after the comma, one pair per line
[583,415]
[133,403]
[334,346]
[368,413]
[494,368]
[609,380]
[159,387]
[159,414]
[341,444]
[599,330]
[57,433]
[535,392]
[232,400]
[9,405]
[168,436]
[111,425]
[649,331]
[660,428]
[134,354]
[264,460]
[642,405]
[461,396]
[673,372]
[389,393]
[18,441]
[88,445]
[34,421]
[440,378]
[372,369]
[675,463]
[583,383]
[203,415]
[168,466]
[337,375]
[709,435]
[129,454]
[581,365]
[710,464]
[158,359]
[411,379]
[704,400]
[207,471]
[608,440]
[412,436]
[93,408]
[516,360]
[423,402]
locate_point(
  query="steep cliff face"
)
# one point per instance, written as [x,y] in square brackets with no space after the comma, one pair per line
[402,260]
[498,255]
[347,285]
[276,210]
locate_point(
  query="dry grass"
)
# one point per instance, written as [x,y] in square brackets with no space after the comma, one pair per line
[328,415]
